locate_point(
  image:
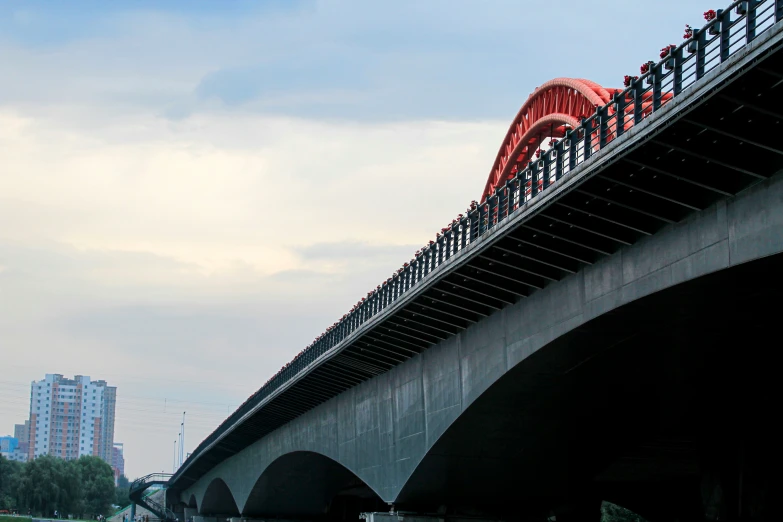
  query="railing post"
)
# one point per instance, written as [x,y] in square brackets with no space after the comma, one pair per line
[534,175]
[778,10]
[619,113]
[750,8]
[701,51]
[638,101]
[521,177]
[547,165]
[502,199]
[601,114]
[559,148]
[587,125]
[475,220]
[572,136]
[677,81]
[724,20]
[509,196]
[657,86]
[463,231]
[447,241]
[512,195]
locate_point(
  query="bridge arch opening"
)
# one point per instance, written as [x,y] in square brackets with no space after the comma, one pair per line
[310,485]
[192,504]
[218,500]
[646,407]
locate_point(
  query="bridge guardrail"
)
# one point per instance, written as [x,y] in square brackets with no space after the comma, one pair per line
[683,66]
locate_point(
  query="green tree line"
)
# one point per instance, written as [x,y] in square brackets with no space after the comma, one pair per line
[83,488]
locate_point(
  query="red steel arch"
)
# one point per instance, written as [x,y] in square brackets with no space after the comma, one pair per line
[550,110]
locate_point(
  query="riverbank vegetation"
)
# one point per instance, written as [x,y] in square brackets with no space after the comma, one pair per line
[83,488]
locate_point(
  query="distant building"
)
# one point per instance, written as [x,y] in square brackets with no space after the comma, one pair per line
[8,443]
[118,460]
[70,418]
[9,449]
[22,434]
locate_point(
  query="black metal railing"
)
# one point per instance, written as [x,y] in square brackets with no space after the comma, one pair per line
[140,485]
[684,66]
[158,509]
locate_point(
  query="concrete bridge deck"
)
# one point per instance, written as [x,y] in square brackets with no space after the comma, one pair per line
[607,340]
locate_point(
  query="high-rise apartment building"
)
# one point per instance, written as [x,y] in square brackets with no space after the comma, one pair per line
[71,417]
[106,447]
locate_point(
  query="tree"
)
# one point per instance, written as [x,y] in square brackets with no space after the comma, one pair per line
[122,497]
[47,484]
[123,488]
[9,477]
[97,479]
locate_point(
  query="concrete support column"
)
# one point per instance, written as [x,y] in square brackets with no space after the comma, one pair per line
[190,513]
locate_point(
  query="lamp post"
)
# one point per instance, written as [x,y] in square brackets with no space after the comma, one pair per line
[182,440]
[174,461]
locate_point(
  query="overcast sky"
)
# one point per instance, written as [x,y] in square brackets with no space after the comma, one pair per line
[191,191]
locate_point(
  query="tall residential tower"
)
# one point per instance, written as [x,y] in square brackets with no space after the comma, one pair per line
[71,417]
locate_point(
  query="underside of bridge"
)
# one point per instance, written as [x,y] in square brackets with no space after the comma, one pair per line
[308,485]
[668,406]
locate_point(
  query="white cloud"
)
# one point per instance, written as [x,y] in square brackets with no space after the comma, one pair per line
[211,248]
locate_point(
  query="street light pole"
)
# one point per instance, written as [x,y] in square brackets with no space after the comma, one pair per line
[174,461]
[182,443]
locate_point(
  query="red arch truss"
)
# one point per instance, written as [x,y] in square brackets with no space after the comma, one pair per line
[550,111]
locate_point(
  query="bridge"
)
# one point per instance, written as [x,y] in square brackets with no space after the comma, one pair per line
[599,326]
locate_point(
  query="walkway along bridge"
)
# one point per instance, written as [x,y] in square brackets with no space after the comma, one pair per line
[469,383]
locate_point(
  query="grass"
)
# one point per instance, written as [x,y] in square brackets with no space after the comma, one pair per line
[11,518]
[66,519]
